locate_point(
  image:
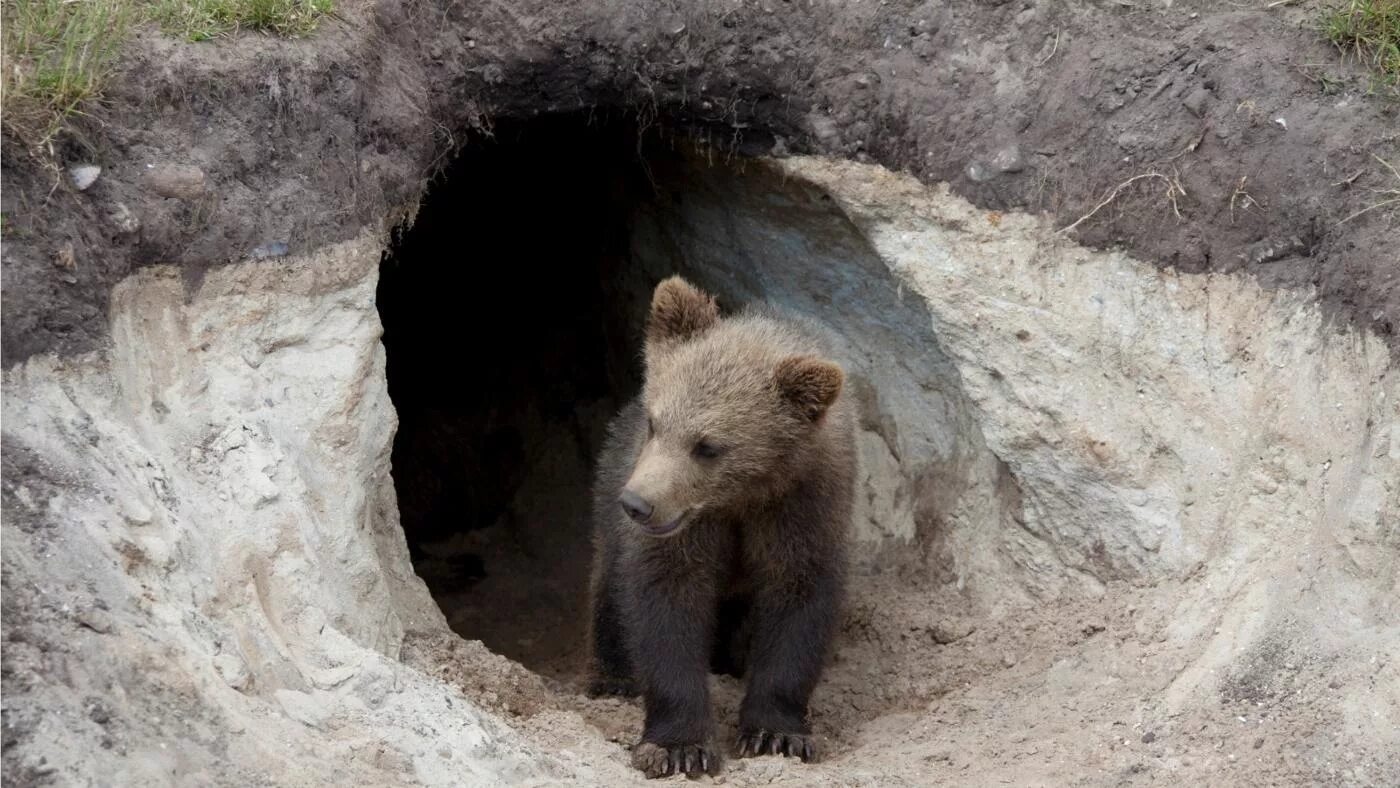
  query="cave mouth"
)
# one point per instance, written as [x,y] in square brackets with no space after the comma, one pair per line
[513,312]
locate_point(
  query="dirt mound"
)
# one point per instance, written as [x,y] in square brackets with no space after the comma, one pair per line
[1245,158]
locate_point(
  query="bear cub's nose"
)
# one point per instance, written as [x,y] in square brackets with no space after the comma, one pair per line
[636,507]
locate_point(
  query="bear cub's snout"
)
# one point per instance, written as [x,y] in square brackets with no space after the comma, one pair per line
[636,507]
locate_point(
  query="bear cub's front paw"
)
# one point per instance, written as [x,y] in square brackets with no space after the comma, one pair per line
[762,742]
[692,760]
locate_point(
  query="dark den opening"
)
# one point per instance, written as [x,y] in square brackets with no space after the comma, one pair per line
[511,322]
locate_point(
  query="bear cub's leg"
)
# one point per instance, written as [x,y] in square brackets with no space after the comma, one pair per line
[791,633]
[671,621]
[612,673]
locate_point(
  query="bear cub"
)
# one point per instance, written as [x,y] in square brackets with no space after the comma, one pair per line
[722,504]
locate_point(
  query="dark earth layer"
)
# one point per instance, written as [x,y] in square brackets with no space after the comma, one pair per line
[1254,142]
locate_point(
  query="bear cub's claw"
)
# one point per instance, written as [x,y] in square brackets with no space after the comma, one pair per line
[605,687]
[761,742]
[692,760]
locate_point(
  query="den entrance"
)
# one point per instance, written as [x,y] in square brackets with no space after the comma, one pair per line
[512,316]
[513,311]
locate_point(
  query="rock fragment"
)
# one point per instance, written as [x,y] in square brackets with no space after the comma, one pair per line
[181,181]
[124,220]
[84,176]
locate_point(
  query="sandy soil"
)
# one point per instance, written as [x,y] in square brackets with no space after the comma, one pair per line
[1076,693]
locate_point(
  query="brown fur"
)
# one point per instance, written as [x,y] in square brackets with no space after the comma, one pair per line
[679,311]
[741,449]
[810,383]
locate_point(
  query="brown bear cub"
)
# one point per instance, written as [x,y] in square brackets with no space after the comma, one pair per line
[722,504]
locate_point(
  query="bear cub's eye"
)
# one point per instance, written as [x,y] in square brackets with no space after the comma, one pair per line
[706,450]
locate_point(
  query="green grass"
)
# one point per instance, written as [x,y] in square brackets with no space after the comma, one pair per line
[59,54]
[1369,30]
[201,20]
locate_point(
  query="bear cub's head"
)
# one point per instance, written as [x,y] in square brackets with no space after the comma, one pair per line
[735,410]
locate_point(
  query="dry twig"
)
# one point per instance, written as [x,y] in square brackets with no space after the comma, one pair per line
[1174,190]
[1392,196]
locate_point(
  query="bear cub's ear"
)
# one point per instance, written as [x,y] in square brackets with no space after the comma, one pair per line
[809,383]
[679,311]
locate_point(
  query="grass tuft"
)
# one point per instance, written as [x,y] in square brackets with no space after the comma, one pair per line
[58,54]
[201,20]
[1369,30]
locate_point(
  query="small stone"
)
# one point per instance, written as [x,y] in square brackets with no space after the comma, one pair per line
[230,438]
[1272,249]
[84,176]
[66,257]
[124,220]
[672,24]
[1196,101]
[232,670]
[824,129]
[1007,660]
[1009,159]
[136,513]
[182,181]
[1149,737]
[270,249]
[945,632]
[97,620]
[1259,742]
[979,172]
